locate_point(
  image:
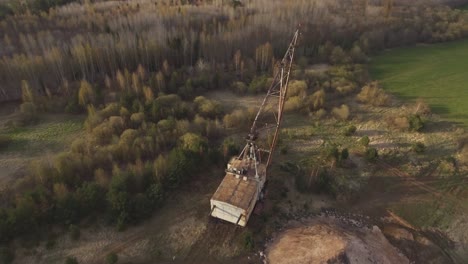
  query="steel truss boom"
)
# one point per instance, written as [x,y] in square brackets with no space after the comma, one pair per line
[278,89]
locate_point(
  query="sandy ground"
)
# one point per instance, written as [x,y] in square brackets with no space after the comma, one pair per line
[326,240]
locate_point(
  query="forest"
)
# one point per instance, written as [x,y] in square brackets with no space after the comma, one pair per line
[139,71]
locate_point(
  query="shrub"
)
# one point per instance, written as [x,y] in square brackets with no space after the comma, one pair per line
[341,113]
[239,87]
[208,108]
[320,113]
[101,178]
[364,141]
[297,88]
[117,123]
[418,147]
[258,84]
[373,95]
[91,197]
[86,93]
[464,154]
[128,137]
[317,100]
[137,119]
[400,123]
[102,134]
[350,130]
[338,56]
[293,104]
[371,154]
[155,195]
[236,119]
[112,109]
[193,142]
[422,108]
[416,124]
[112,258]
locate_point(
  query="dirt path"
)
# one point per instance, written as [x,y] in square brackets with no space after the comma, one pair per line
[410,179]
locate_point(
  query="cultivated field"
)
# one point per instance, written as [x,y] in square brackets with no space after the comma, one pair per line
[437,73]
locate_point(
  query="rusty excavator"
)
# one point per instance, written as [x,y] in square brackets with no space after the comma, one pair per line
[246,174]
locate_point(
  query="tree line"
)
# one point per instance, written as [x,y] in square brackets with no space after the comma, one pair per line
[94,40]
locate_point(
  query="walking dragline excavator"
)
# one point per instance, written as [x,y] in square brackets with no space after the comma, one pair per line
[242,187]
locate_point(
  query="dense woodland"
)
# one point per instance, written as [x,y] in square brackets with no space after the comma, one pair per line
[139,71]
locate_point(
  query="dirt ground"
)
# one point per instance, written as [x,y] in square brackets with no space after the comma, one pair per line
[326,240]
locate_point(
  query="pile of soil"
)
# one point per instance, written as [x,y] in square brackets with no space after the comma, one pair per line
[327,240]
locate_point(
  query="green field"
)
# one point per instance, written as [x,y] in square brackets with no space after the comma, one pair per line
[437,73]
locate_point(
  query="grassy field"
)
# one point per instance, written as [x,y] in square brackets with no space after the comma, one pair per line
[53,134]
[437,73]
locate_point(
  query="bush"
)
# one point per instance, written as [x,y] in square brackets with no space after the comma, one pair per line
[294,103]
[236,119]
[416,124]
[239,87]
[350,131]
[112,258]
[317,100]
[341,113]
[371,154]
[208,108]
[418,147]
[401,123]
[373,95]
[137,119]
[422,108]
[338,56]
[155,195]
[364,141]
[258,85]
[297,88]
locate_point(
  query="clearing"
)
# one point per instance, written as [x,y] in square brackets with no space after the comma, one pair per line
[436,73]
[52,134]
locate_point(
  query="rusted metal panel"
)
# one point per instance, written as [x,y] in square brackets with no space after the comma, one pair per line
[236,191]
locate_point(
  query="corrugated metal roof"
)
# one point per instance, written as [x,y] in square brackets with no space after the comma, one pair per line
[236,191]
